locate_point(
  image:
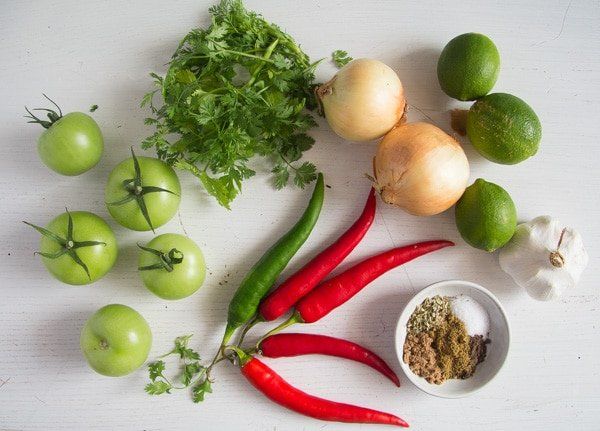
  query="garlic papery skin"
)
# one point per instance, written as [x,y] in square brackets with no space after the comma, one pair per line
[544,257]
[363,101]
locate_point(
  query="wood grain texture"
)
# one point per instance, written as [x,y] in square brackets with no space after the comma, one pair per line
[84,53]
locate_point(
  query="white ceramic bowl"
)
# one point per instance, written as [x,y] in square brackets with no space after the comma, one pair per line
[497,350]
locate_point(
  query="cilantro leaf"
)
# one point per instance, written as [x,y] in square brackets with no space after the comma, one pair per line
[181,348]
[340,58]
[155,369]
[158,387]
[212,120]
[281,176]
[201,390]
[189,371]
[305,174]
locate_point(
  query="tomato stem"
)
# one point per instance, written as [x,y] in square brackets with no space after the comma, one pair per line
[53,116]
[136,191]
[68,244]
[167,261]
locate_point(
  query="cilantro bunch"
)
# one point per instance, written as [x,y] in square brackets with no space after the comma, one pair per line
[192,374]
[238,89]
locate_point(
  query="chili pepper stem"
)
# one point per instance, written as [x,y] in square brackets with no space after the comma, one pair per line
[214,362]
[242,356]
[293,319]
[256,319]
[229,331]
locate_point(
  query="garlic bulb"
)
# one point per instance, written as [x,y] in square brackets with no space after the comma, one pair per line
[544,257]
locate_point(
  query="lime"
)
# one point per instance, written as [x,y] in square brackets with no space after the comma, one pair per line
[503,128]
[468,66]
[486,216]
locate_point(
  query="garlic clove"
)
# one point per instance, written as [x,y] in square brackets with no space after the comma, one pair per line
[549,284]
[577,258]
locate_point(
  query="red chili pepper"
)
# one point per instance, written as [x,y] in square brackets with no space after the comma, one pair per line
[290,291]
[285,345]
[274,387]
[339,289]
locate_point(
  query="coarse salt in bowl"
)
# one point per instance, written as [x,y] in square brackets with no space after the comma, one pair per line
[472,313]
[470,297]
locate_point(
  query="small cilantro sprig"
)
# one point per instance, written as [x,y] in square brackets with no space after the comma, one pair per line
[340,58]
[235,90]
[200,390]
[192,372]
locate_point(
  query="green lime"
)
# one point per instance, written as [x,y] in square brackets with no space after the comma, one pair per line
[468,66]
[503,128]
[486,216]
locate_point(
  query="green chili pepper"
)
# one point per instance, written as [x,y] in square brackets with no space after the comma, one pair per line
[264,273]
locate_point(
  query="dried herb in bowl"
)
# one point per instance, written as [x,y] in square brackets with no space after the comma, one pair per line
[235,90]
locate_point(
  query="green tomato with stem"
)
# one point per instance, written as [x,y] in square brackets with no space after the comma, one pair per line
[71,144]
[142,193]
[116,340]
[77,247]
[172,266]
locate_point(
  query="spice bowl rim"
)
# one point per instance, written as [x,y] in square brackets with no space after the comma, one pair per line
[401,332]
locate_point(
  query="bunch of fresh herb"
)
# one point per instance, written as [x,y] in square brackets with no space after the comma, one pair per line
[233,91]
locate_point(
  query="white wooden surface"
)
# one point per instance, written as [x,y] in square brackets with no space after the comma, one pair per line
[81,53]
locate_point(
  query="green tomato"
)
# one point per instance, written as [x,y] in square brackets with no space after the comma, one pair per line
[172,266]
[116,340]
[146,200]
[81,256]
[71,145]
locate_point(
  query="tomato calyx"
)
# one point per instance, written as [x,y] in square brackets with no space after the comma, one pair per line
[68,244]
[136,191]
[53,116]
[167,261]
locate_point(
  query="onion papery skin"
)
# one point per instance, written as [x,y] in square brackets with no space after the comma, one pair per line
[421,169]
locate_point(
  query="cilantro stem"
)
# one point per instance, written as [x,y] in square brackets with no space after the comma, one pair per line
[288,163]
[162,376]
[198,378]
[210,367]
[266,56]
[241,54]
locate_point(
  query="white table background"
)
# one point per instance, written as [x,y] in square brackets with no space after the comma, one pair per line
[84,53]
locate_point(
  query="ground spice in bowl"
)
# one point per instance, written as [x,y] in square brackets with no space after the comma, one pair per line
[453,346]
[438,346]
[421,357]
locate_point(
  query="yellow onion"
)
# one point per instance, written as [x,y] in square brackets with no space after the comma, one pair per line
[420,168]
[363,101]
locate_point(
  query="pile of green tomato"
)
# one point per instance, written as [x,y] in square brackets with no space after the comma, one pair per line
[79,247]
